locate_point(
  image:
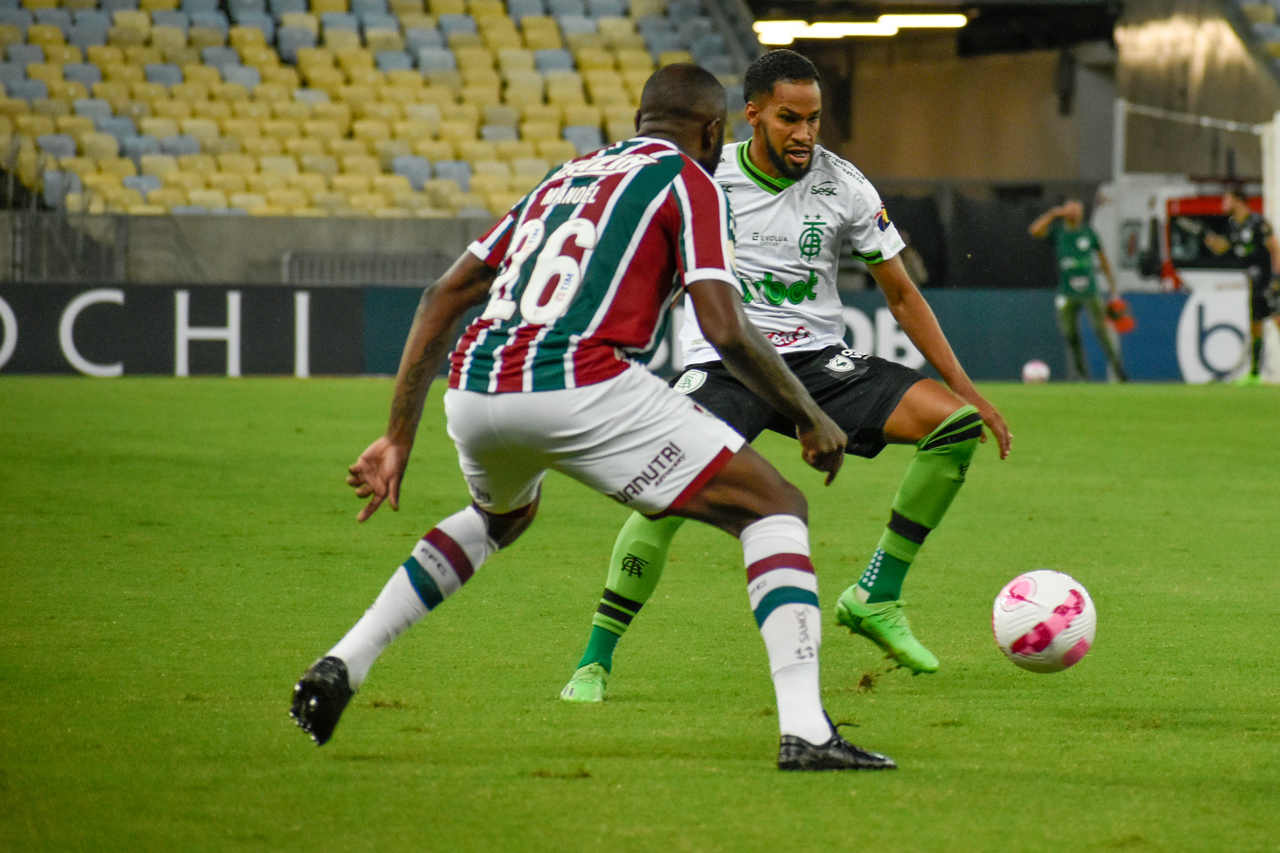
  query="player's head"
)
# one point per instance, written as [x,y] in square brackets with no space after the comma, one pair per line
[685,103]
[784,107]
[1234,202]
[1073,211]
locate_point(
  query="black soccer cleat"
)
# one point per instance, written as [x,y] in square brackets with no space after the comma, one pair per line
[319,698]
[796,753]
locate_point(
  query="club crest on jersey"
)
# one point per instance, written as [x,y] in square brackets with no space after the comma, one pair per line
[882,219]
[810,242]
[690,381]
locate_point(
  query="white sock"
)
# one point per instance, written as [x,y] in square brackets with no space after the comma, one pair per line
[440,564]
[783,591]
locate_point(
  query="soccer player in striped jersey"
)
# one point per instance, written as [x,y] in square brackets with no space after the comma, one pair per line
[578,279]
[795,206]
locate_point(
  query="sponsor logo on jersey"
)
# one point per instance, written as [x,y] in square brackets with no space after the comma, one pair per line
[786,339]
[664,462]
[824,188]
[775,292]
[609,164]
[811,238]
[882,219]
[770,239]
[690,381]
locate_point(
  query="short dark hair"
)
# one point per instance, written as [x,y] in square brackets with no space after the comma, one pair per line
[1234,188]
[774,66]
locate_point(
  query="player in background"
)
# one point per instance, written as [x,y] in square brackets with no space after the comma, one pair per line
[1074,245]
[579,278]
[1253,244]
[796,205]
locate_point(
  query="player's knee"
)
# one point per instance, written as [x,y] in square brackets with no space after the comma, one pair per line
[506,528]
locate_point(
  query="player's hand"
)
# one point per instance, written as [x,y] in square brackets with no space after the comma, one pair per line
[994,421]
[377,474]
[822,445]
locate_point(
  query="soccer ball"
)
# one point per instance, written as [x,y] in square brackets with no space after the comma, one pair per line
[1035,371]
[1044,620]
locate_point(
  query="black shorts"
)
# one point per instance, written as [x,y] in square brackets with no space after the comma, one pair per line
[1262,299]
[858,391]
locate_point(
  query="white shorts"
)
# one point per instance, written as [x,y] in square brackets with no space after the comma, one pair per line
[631,438]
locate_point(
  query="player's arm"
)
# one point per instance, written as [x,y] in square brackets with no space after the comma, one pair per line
[756,364]
[1273,246]
[1105,266]
[379,470]
[917,319]
[1040,225]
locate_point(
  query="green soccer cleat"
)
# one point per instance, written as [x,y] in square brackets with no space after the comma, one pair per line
[1248,380]
[885,624]
[587,684]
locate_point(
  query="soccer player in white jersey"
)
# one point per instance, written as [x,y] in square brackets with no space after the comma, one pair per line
[796,205]
[578,278]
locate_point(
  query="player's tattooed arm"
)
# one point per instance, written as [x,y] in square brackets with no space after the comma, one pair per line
[377,474]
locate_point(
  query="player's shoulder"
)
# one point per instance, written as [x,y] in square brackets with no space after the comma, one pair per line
[832,166]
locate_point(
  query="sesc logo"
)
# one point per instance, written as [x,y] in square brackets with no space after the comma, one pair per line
[1213,332]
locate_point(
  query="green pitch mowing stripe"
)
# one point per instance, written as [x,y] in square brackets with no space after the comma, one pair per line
[173,554]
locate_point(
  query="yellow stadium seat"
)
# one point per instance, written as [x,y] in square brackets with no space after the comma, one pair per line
[67,90]
[142,54]
[158,5]
[241,37]
[280,164]
[180,54]
[345,182]
[257,110]
[672,57]
[539,130]
[322,129]
[50,107]
[45,34]
[72,125]
[61,54]
[360,164]
[239,164]
[282,75]
[281,129]
[303,21]
[200,128]
[370,130]
[240,127]
[204,164]
[201,37]
[216,110]
[387,150]
[556,150]
[300,145]
[309,182]
[615,131]
[230,92]
[319,7]
[122,166]
[104,54]
[477,150]
[429,113]
[33,125]
[216,145]
[99,145]
[122,72]
[287,197]
[593,59]
[227,182]
[384,111]
[294,111]
[490,183]
[9,34]
[434,149]
[247,201]
[78,164]
[159,127]
[44,71]
[212,198]
[379,40]
[337,39]
[542,113]
[165,108]
[265,182]
[325,78]
[457,132]
[515,59]
[163,37]
[167,197]
[141,90]
[330,201]
[321,164]
[412,130]
[355,95]
[206,75]
[269,92]
[582,115]
[451,80]
[123,36]
[146,209]
[184,180]
[391,185]
[260,145]
[347,147]
[260,56]
[447,7]
[609,98]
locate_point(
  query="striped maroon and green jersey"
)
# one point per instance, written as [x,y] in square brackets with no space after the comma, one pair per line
[589,263]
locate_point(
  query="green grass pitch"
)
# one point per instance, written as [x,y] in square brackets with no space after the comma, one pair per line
[175,552]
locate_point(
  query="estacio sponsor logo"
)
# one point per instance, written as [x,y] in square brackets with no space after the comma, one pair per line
[609,164]
[663,463]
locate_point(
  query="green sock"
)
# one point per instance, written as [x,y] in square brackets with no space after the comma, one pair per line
[932,480]
[635,567]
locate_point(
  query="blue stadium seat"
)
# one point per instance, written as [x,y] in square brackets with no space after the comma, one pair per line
[144,184]
[136,146]
[282,7]
[416,169]
[193,6]
[458,171]
[94,108]
[216,19]
[26,90]
[56,185]
[378,21]
[339,21]
[450,24]
[519,9]
[393,60]
[437,59]
[170,18]
[585,138]
[110,6]
[259,21]
[121,127]
[245,75]
[559,8]
[85,73]
[164,73]
[661,41]
[416,38]
[60,18]
[706,46]
[363,7]
[576,24]
[25,54]
[20,18]
[553,59]
[189,210]
[219,55]
[679,10]
[722,63]
[57,144]
[289,39]
[238,7]
[179,145]
[85,34]
[607,8]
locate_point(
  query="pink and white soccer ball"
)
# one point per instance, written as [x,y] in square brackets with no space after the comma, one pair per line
[1044,620]
[1034,371]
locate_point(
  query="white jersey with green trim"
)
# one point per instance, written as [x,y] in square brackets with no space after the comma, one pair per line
[788,239]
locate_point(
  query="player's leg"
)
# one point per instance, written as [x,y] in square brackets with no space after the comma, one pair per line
[1069,326]
[750,499]
[641,547]
[635,567]
[1259,308]
[509,484]
[1098,319]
